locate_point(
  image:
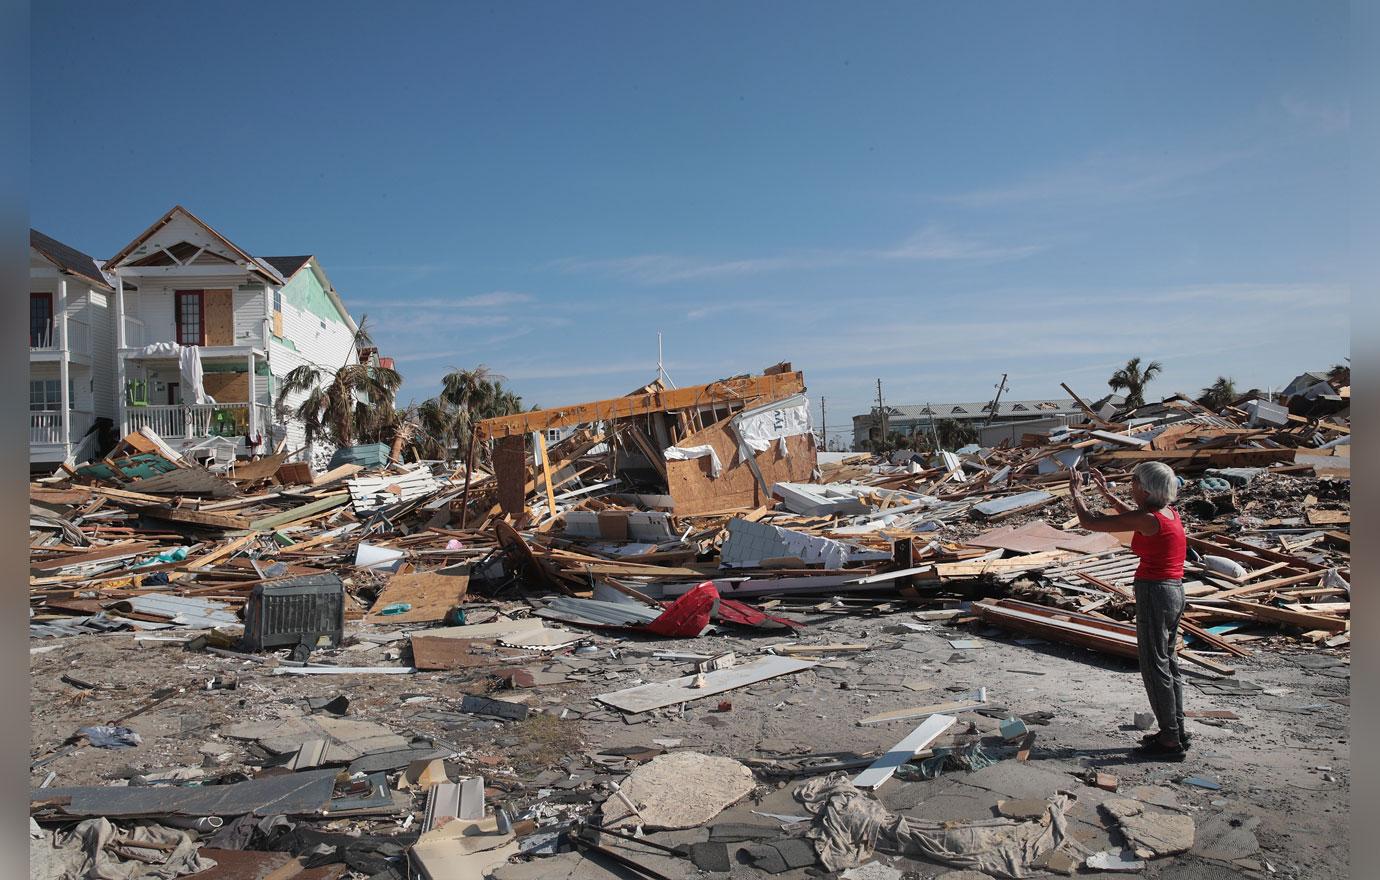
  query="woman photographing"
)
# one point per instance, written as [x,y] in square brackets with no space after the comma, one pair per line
[1159,542]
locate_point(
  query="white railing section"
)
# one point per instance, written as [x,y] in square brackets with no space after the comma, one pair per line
[78,337]
[134,333]
[45,427]
[229,420]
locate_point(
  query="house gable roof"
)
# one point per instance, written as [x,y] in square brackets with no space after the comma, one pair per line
[67,258]
[185,229]
[287,266]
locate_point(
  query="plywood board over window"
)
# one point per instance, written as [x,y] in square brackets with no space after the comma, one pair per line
[227,387]
[220,317]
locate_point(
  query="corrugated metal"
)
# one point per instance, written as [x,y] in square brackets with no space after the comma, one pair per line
[183,610]
[592,612]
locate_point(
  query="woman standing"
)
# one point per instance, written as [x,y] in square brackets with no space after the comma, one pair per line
[1159,542]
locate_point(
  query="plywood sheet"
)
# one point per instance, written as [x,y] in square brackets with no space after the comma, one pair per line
[227,387]
[694,491]
[220,318]
[432,594]
[510,469]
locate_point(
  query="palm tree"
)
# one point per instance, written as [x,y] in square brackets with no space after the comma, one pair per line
[1340,375]
[350,404]
[1134,379]
[1219,394]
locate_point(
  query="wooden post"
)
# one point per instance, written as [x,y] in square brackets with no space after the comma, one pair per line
[59,319]
[469,469]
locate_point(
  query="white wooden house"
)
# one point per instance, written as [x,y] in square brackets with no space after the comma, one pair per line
[71,351]
[184,293]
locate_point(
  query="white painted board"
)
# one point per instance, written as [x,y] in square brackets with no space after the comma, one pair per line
[655,695]
[884,767]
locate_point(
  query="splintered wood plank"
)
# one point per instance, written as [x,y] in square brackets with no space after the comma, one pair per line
[546,475]
[656,695]
[920,738]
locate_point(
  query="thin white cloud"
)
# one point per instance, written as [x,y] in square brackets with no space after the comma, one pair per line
[1103,178]
[930,243]
[1321,117]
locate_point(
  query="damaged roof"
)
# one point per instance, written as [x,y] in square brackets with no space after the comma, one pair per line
[67,258]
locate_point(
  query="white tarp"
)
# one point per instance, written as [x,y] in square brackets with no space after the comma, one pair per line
[189,363]
[685,453]
[775,421]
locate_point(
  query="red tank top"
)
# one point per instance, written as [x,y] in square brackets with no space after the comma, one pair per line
[1161,554]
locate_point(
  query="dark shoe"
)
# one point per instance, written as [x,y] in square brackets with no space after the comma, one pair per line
[1185,739]
[1156,749]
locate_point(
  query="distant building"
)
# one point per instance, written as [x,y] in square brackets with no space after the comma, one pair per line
[915,419]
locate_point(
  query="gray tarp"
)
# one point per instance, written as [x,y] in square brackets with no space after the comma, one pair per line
[849,826]
[99,850]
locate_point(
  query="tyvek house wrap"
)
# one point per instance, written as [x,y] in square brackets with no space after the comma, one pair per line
[777,420]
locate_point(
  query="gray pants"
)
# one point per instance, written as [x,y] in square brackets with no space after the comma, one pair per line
[1159,605]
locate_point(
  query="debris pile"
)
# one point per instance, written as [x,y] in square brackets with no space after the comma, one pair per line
[515,596]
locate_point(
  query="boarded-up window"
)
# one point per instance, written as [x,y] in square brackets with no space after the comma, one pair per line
[227,387]
[190,316]
[220,317]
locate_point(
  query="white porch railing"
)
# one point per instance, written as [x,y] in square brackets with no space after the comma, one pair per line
[178,422]
[45,427]
[134,332]
[78,337]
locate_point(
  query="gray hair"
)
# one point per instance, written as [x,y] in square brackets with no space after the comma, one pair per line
[1158,480]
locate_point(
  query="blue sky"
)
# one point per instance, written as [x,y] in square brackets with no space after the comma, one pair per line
[929,193]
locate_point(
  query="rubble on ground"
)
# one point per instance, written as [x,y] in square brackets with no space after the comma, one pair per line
[573,647]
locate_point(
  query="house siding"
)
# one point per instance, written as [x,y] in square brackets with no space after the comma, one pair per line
[156,306]
[308,338]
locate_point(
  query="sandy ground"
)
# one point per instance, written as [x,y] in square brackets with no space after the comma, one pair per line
[1283,767]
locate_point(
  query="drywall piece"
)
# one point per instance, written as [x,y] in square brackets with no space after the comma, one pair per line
[679,790]
[462,850]
[541,639]
[814,499]
[1113,860]
[1121,439]
[1013,502]
[655,695]
[749,543]
[885,767]
[345,738]
[978,700]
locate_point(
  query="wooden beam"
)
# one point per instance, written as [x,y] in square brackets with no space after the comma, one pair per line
[1083,406]
[737,390]
[546,475]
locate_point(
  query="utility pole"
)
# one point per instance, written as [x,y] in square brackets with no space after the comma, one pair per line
[881,411]
[991,414]
[934,435]
[823,423]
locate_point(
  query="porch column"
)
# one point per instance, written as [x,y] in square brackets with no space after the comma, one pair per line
[253,398]
[64,366]
[120,347]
